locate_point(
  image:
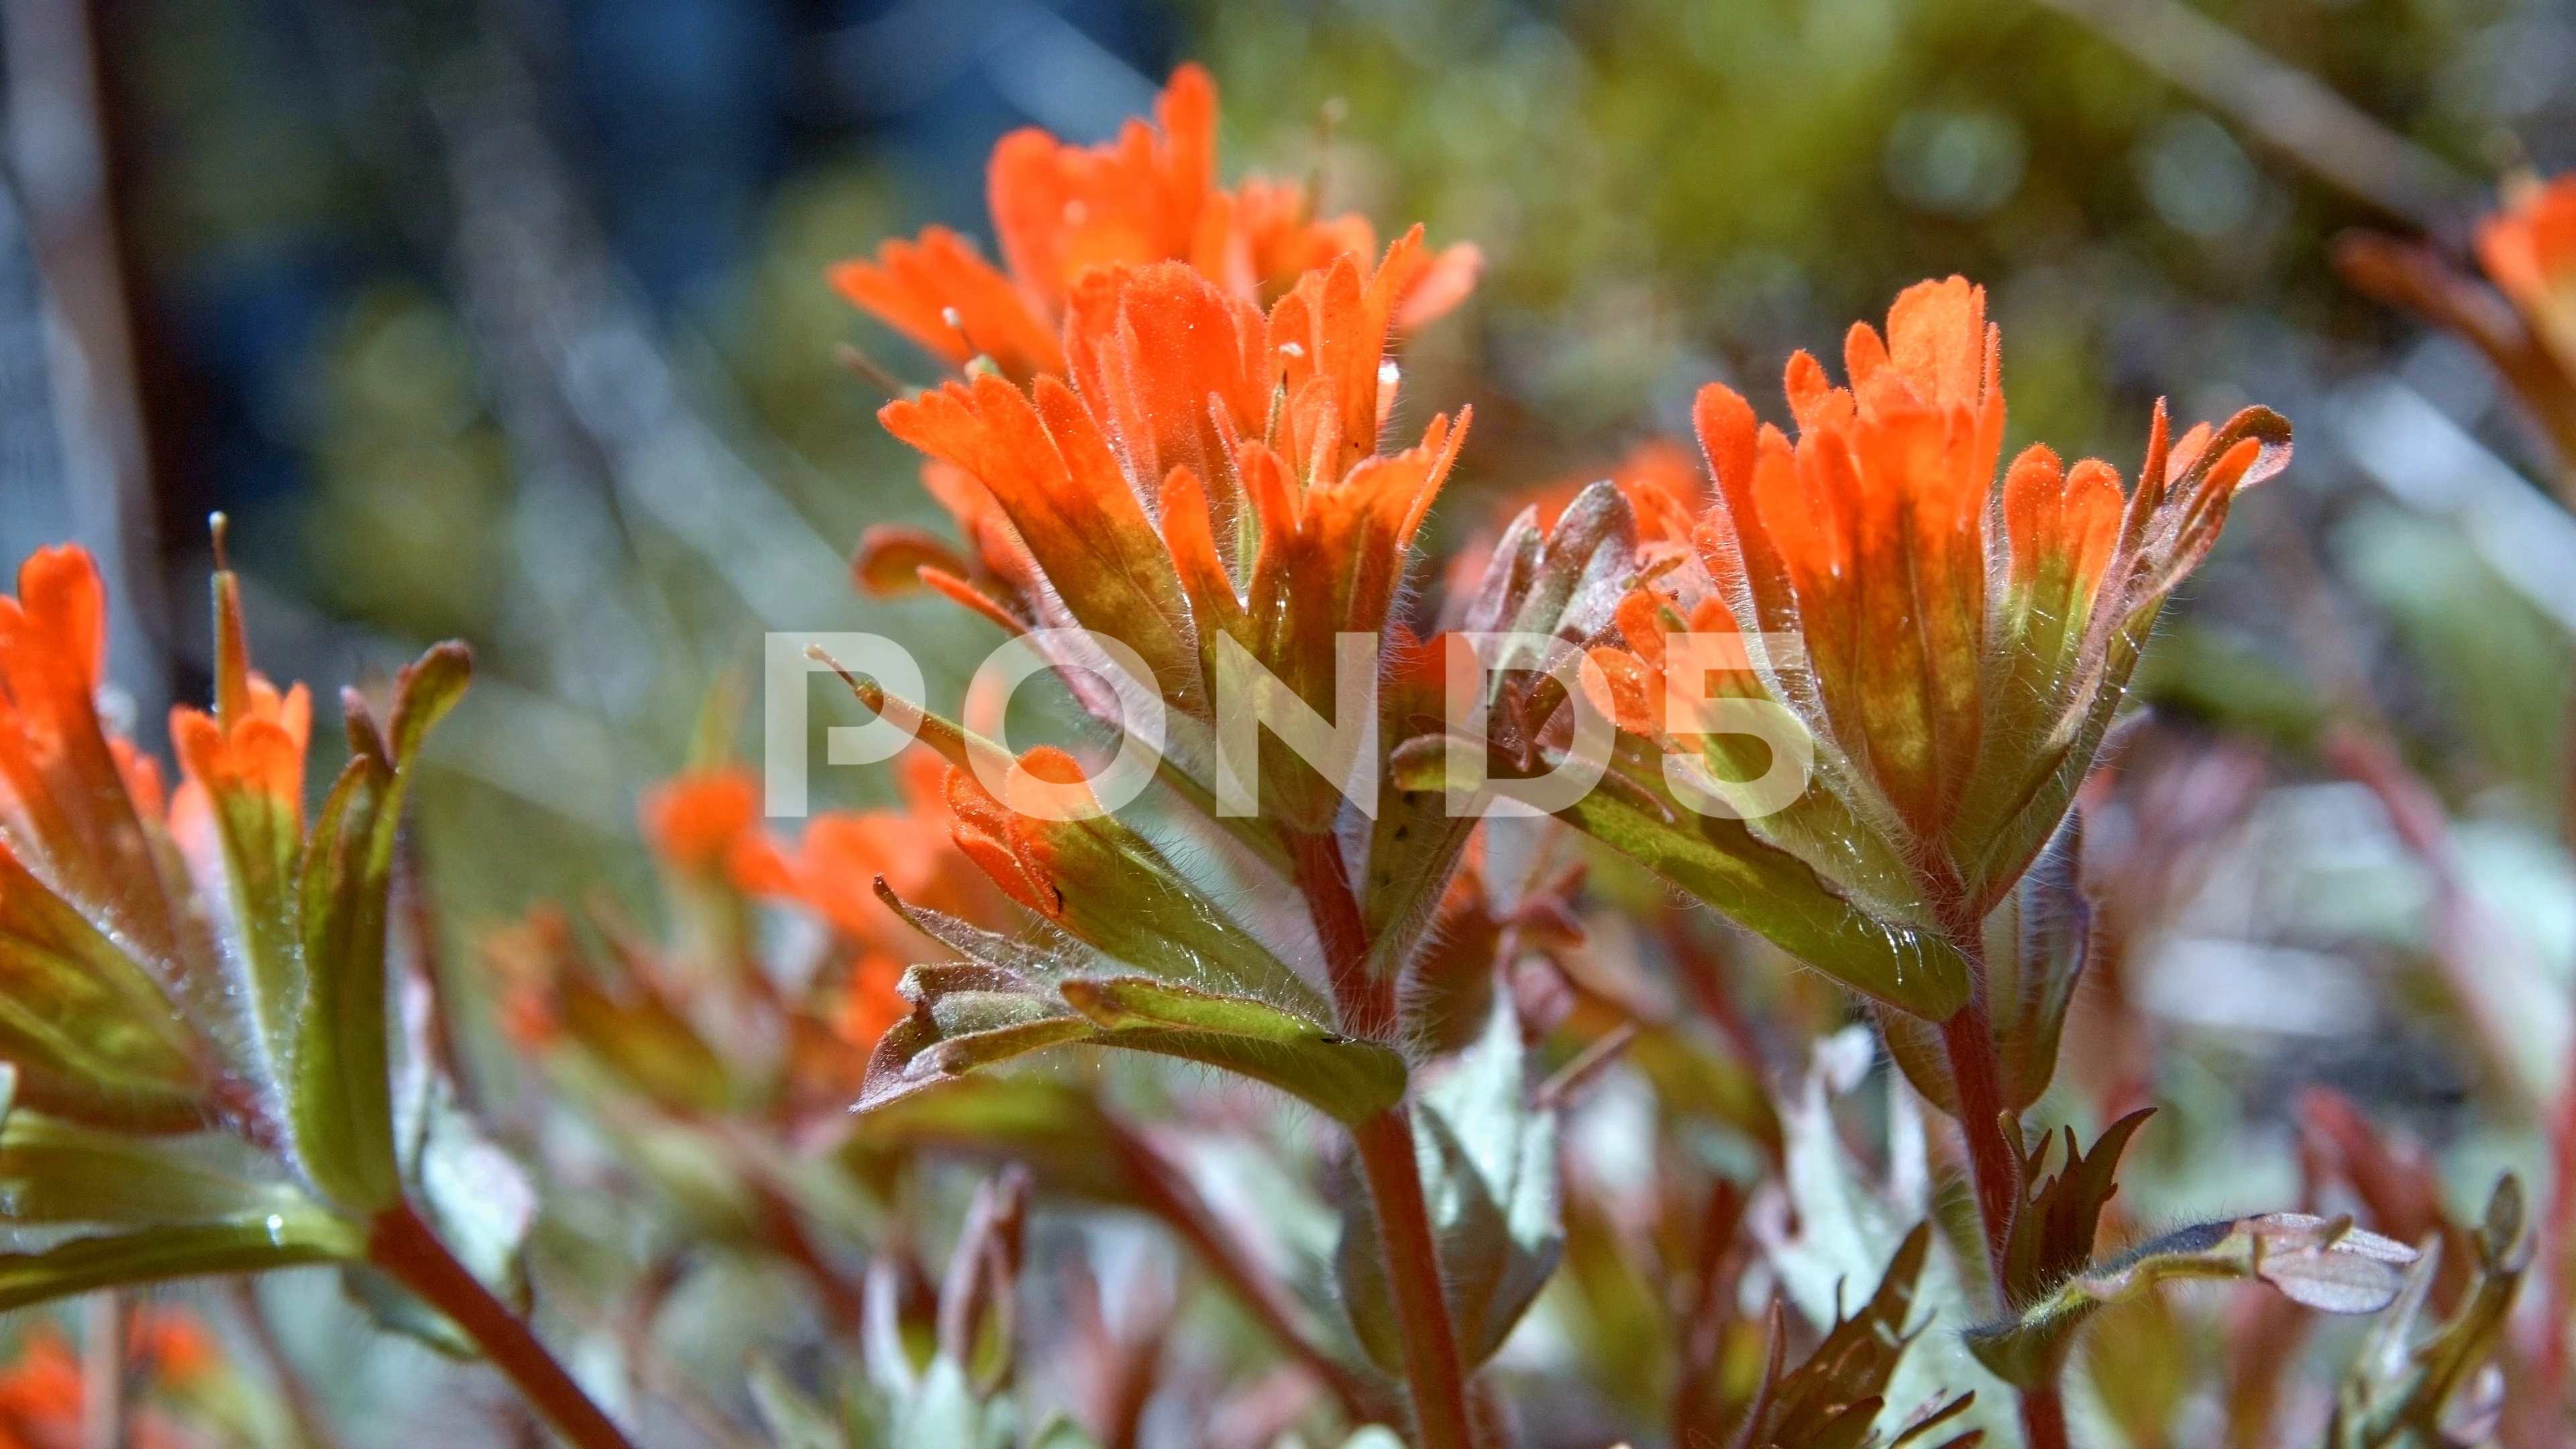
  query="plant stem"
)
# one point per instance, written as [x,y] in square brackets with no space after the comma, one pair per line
[2043,1418]
[1384,1145]
[1994,1160]
[401,1244]
[1969,1039]
[1367,1007]
[1431,1365]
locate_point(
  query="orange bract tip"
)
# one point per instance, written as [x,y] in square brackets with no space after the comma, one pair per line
[262,750]
[60,590]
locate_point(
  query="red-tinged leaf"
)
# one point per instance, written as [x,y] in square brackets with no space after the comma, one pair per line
[2053,1233]
[1835,1396]
[339,1082]
[2325,1264]
[88,1030]
[424,692]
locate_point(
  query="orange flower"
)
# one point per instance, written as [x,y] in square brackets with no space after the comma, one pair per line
[1157,495]
[1664,483]
[251,749]
[40,1395]
[2528,334]
[1962,656]
[694,821]
[2529,252]
[74,800]
[870,1003]
[172,1343]
[833,870]
[1061,211]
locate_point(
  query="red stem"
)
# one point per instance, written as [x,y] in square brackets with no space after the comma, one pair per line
[1431,1365]
[2043,1418]
[1367,1007]
[1994,1160]
[1969,1039]
[401,1244]
[1384,1145]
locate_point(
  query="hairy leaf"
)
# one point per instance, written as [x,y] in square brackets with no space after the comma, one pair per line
[340,1089]
[58,1172]
[186,1250]
[1901,964]
[2324,1264]
[88,1029]
[969,1017]
[2052,1235]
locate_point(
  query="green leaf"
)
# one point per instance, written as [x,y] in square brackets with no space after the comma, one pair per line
[1343,1078]
[424,692]
[395,1309]
[2405,1394]
[1490,1180]
[340,1091]
[1905,965]
[1112,889]
[474,1196]
[2036,942]
[1054,1128]
[2324,1264]
[159,1254]
[969,1017]
[1060,1432]
[55,1172]
[88,1029]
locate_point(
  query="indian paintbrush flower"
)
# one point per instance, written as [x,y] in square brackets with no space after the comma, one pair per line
[1951,647]
[2521,316]
[1151,195]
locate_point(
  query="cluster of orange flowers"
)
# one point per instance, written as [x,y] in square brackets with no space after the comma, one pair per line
[705,830]
[1167,429]
[43,1396]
